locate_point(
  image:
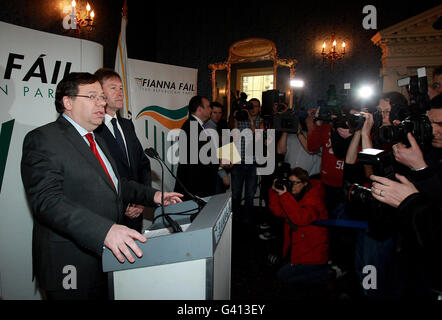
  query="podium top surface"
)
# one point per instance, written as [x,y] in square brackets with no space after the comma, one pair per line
[198,241]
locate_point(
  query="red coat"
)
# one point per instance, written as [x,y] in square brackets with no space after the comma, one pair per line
[332,168]
[309,243]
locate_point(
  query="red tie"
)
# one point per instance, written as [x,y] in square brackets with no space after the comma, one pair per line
[95,151]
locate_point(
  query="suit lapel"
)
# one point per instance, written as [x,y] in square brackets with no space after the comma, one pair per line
[127,131]
[72,135]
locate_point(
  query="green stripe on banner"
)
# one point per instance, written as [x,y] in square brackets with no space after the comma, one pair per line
[171,114]
[147,129]
[5,141]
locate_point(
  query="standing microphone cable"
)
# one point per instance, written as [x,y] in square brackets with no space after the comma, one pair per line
[171,223]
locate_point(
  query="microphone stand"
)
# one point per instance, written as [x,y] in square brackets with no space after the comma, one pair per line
[151,152]
[172,223]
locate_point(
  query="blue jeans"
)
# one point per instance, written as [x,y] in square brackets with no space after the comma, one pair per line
[303,274]
[243,174]
[379,254]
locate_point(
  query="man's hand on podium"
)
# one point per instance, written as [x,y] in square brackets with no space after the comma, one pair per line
[169,197]
[119,238]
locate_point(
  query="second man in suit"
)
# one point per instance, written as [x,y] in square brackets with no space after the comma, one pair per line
[197,177]
[124,146]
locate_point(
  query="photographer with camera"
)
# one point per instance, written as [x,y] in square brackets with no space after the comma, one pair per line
[425,168]
[300,201]
[373,246]
[408,264]
[419,221]
[245,116]
[294,148]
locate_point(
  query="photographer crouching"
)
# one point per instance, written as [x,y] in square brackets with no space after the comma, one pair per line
[300,201]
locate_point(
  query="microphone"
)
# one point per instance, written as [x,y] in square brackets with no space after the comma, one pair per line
[151,152]
[172,223]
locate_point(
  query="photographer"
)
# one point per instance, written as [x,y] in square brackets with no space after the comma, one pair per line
[246,116]
[391,110]
[319,138]
[412,263]
[425,169]
[419,219]
[300,203]
[436,88]
[375,245]
[293,146]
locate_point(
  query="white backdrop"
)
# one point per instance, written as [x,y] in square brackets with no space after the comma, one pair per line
[29,61]
[159,97]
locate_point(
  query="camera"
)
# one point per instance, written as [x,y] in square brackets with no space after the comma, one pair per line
[418,125]
[286,122]
[326,112]
[269,99]
[282,175]
[360,194]
[382,164]
[242,107]
[355,121]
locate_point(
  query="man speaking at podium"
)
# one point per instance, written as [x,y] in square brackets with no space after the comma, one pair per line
[76,195]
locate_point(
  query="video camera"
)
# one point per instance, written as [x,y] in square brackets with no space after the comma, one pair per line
[242,106]
[285,119]
[415,122]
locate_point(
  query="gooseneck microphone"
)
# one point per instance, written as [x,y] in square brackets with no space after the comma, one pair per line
[172,223]
[152,153]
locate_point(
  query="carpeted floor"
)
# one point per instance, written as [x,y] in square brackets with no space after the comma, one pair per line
[254,276]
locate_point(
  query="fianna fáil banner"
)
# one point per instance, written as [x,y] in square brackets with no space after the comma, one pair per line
[159,95]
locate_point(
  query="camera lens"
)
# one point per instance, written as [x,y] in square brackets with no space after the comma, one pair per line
[360,194]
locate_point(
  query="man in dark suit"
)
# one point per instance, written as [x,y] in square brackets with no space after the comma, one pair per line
[76,195]
[197,177]
[124,146]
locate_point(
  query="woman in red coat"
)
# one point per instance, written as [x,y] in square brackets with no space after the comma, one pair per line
[308,243]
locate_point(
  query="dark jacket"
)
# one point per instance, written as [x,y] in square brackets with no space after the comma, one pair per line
[74,203]
[429,180]
[198,178]
[138,167]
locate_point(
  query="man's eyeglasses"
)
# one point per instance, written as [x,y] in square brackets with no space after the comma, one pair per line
[94,97]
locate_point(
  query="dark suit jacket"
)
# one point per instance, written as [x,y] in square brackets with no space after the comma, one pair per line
[138,168]
[73,202]
[199,178]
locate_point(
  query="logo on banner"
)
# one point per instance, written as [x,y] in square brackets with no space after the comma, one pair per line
[170,119]
[163,86]
[39,69]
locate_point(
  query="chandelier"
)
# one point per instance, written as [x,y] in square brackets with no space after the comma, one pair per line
[79,20]
[332,54]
